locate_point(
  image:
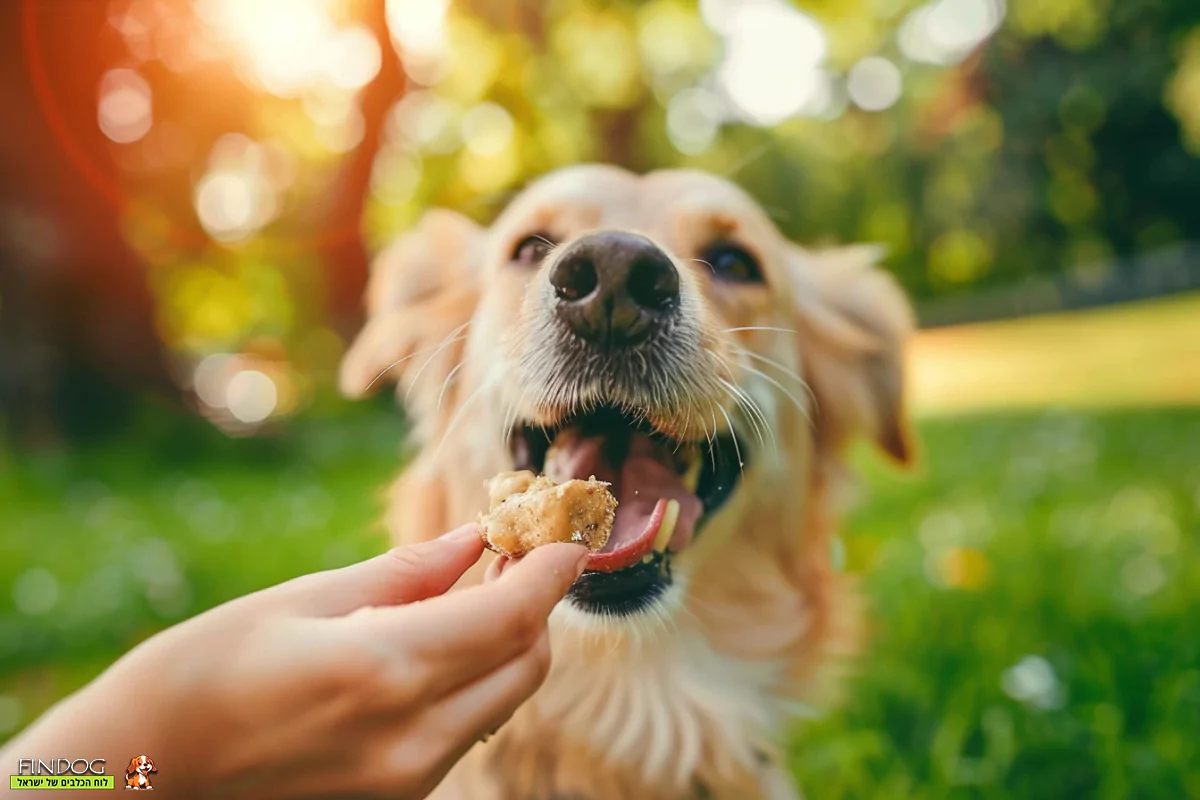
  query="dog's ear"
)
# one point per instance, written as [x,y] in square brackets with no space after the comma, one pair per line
[853,321]
[131,767]
[422,292]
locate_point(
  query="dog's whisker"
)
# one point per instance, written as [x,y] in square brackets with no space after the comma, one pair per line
[510,416]
[446,383]
[712,443]
[762,416]
[783,368]
[753,409]
[702,261]
[741,404]
[795,401]
[450,339]
[748,159]
[732,435]
[752,405]
[759,328]
[779,365]
[488,384]
[395,364]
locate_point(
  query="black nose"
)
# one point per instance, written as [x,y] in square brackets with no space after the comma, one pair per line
[614,288]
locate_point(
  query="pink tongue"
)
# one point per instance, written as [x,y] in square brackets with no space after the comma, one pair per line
[643,486]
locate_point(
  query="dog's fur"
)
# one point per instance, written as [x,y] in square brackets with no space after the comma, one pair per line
[691,698]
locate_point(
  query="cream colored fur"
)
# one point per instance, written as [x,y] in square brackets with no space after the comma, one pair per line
[694,699]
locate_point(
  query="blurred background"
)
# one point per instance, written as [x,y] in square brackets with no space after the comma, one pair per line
[191,191]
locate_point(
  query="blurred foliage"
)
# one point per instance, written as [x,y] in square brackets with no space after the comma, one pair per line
[1062,141]
[1033,588]
[981,141]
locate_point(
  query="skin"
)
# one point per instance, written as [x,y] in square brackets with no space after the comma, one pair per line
[367,681]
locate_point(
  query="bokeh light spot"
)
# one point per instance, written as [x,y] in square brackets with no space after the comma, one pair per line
[693,120]
[125,109]
[874,84]
[947,31]
[1032,681]
[772,67]
[352,57]
[251,396]
[227,203]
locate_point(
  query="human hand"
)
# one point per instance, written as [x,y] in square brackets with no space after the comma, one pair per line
[363,681]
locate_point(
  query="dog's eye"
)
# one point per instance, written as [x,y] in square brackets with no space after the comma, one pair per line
[730,262]
[530,251]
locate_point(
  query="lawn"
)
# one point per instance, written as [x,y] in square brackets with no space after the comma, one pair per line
[1035,585]
[1036,610]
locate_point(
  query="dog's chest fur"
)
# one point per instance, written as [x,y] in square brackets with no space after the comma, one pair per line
[657,714]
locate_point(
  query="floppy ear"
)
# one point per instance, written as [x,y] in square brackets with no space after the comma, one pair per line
[131,767]
[422,291]
[854,322]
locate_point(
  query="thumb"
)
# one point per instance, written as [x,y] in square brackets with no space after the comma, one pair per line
[401,575]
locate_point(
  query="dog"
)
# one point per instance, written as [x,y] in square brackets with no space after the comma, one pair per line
[693,353]
[137,773]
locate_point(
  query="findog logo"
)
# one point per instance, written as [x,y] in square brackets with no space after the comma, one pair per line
[137,774]
[60,773]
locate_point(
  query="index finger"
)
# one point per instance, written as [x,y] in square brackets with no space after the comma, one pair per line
[466,634]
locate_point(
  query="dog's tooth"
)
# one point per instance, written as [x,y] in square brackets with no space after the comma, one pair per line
[670,517]
[648,559]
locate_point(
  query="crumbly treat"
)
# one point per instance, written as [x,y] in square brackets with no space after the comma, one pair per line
[526,511]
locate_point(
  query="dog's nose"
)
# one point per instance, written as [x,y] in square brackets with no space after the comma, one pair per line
[614,287]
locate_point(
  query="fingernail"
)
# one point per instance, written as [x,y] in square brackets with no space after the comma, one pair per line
[581,562]
[462,533]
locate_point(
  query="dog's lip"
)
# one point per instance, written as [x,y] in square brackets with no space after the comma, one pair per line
[633,551]
[699,476]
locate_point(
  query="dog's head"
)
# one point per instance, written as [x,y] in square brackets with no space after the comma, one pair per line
[655,331]
[140,765]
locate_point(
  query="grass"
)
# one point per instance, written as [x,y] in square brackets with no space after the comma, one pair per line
[1034,598]
[101,547]
[1034,587]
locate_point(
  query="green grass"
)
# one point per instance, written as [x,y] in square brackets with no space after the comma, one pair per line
[1081,536]
[1068,543]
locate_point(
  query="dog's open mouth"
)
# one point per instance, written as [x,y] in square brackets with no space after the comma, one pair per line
[647,470]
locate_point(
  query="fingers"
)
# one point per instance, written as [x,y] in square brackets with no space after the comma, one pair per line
[467,634]
[483,706]
[402,575]
[480,708]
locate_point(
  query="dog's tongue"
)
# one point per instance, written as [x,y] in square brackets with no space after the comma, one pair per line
[642,484]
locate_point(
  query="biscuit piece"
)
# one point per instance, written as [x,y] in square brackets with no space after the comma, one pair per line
[526,511]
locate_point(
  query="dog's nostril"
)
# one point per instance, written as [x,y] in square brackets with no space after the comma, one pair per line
[653,283]
[574,278]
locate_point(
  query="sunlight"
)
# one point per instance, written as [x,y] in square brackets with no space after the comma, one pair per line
[773,57]
[282,40]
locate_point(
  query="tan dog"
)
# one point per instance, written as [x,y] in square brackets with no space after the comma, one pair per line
[661,334]
[137,773]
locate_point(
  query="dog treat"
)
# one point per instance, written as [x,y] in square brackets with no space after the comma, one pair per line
[526,511]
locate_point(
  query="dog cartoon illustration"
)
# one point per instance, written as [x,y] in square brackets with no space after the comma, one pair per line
[137,774]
